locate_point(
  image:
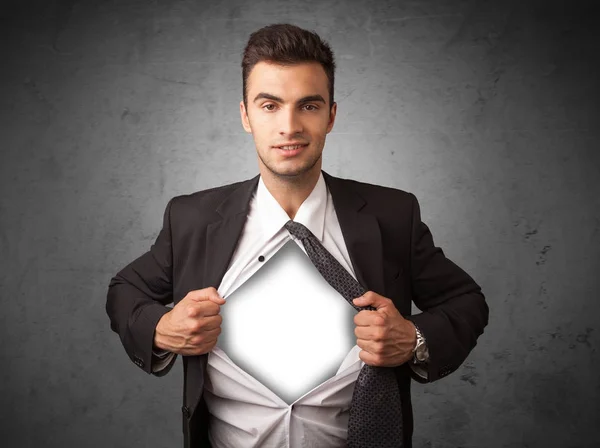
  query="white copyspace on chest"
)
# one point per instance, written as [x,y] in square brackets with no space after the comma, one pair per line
[286,326]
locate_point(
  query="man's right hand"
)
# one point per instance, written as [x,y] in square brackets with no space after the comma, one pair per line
[193,325]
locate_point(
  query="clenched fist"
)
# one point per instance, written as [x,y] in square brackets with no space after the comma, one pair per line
[193,325]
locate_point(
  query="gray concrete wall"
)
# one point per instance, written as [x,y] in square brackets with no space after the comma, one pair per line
[487,111]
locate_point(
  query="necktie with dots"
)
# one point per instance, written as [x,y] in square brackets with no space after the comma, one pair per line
[375,419]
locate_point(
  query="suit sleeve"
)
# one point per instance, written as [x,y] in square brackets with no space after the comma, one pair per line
[137,298]
[455,312]
[418,370]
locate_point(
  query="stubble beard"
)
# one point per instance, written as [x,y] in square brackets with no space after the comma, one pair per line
[293,176]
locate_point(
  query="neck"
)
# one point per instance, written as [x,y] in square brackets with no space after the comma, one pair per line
[290,191]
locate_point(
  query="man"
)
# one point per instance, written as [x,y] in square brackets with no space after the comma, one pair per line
[288,107]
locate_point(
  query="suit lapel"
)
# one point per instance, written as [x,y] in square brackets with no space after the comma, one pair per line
[361,233]
[222,236]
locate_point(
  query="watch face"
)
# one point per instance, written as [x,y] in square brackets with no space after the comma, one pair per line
[420,353]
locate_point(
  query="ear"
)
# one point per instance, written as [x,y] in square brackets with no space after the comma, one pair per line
[332,117]
[245,120]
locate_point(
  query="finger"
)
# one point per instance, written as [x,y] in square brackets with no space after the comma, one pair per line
[206,334]
[366,346]
[368,333]
[203,328]
[207,308]
[200,295]
[211,323]
[368,358]
[361,343]
[210,339]
[204,347]
[367,317]
[359,332]
[371,298]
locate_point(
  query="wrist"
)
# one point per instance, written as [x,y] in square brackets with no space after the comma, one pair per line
[158,339]
[414,339]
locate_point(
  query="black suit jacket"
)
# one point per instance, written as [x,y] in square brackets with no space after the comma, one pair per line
[391,250]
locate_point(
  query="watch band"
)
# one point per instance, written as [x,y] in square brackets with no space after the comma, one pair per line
[420,352]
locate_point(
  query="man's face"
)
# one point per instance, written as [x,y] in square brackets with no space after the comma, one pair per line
[288,104]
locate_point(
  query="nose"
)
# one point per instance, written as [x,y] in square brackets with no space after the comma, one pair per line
[291,124]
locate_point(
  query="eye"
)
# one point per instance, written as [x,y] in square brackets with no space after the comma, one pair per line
[313,107]
[267,105]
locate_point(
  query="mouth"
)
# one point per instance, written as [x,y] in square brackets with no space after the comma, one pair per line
[290,151]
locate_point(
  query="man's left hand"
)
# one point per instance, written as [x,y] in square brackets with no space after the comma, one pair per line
[386,338]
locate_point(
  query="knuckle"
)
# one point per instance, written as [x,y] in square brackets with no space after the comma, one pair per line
[195,326]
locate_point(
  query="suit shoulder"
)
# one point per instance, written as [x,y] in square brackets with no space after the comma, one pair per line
[208,197]
[380,194]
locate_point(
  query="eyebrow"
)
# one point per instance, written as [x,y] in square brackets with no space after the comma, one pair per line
[305,99]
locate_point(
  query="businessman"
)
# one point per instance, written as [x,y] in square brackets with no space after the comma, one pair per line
[215,237]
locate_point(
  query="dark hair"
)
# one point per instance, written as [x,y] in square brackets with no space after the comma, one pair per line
[287,44]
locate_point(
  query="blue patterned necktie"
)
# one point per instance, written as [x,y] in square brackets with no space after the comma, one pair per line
[375,419]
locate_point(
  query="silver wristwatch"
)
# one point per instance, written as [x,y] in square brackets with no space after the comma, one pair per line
[420,352]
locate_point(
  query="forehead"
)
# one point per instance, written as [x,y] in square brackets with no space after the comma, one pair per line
[287,79]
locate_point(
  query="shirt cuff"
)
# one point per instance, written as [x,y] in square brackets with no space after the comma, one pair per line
[161,360]
[159,352]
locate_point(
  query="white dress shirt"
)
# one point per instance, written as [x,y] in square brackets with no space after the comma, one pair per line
[245,412]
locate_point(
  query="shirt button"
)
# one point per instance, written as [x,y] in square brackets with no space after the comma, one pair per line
[261,258]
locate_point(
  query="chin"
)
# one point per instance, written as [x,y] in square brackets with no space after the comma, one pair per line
[289,171]
[290,168]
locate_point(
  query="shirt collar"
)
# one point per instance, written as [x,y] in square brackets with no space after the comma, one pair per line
[272,216]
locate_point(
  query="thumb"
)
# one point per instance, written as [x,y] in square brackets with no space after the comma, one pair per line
[200,295]
[369,298]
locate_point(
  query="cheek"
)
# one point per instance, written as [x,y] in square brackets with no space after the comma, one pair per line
[260,118]
[261,128]
[261,137]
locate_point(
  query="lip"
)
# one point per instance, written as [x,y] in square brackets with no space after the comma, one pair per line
[290,144]
[291,152]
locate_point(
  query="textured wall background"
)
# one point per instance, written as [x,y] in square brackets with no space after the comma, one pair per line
[487,111]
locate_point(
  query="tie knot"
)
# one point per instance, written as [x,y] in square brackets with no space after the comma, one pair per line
[297,229]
